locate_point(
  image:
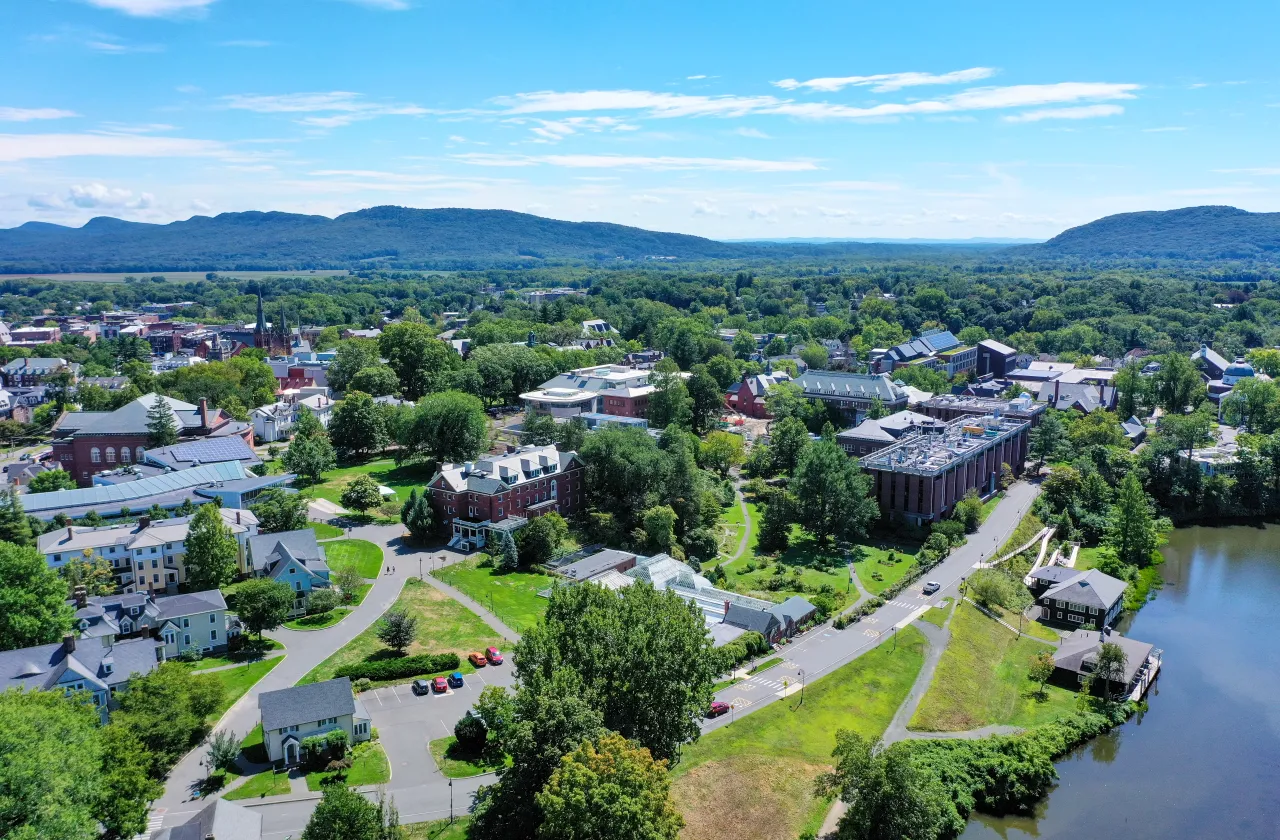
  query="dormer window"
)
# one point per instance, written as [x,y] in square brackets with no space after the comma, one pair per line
[84,624]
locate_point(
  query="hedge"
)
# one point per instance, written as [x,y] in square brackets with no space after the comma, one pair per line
[402,668]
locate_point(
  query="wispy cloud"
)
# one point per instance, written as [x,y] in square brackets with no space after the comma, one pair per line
[155,8]
[552,131]
[851,186]
[388,5]
[130,128]
[889,82]
[328,110]
[1084,112]
[14,147]
[29,114]
[117,46]
[670,105]
[751,132]
[695,78]
[664,163]
[246,43]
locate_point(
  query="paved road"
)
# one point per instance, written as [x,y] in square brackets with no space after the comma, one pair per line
[822,650]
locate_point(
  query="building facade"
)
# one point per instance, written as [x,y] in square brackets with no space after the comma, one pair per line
[291,715]
[852,394]
[604,389]
[948,407]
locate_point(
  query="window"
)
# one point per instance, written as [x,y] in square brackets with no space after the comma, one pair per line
[186,638]
[124,455]
[186,622]
[155,578]
[297,586]
[95,455]
[1093,610]
[213,635]
[141,565]
[169,637]
[111,454]
[155,564]
[139,451]
[212,618]
[292,571]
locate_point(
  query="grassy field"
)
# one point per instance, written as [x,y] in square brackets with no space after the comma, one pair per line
[938,615]
[266,783]
[990,505]
[753,779]
[318,621]
[512,596]
[982,680]
[369,766]
[1027,528]
[325,531]
[238,658]
[444,625]
[456,764]
[804,563]
[362,555]
[238,680]
[877,562]
[384,471]
[438,830]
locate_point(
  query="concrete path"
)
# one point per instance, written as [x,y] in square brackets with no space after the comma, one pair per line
[938,638]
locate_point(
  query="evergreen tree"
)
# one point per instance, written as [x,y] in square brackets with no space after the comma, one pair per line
[775,523]
[509,560]
[1048,438]
[211,550]
[14,526]
[1132,532]
[162,428]
[421,520]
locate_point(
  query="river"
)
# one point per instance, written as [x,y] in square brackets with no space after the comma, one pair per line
[1204,760]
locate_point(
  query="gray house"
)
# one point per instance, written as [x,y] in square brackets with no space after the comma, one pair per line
[195,620]
[1077,659]
[220,820]
[97,666]
[293,714]
[1070,596]
[293,557]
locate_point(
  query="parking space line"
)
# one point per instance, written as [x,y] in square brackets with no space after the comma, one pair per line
[396,694]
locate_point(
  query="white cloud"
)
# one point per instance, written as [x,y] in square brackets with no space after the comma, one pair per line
[154,8]
[659,164]
[93,196]
[15,147]
[648,199]
[247,43]
[552,131]
[338,107]
[668,105]
[889,82]
[29,114]
[114,46]
[695,78]
[706,208]
[851,186]
[1084,112]
[752,132]
[127,128]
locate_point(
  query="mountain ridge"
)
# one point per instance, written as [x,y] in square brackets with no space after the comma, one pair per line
[1208,232]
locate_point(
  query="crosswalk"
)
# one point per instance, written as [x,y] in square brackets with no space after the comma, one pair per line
[906,605]
[155,821]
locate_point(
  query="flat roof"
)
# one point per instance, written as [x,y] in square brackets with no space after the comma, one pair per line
[930,454]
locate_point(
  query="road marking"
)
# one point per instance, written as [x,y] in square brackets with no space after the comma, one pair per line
[871,619]
[396,694]
[155,821]
[870,632]
[375,696]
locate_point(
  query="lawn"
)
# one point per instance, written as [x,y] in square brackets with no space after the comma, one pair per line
[237,681]
[369,766]
[937,616]
[266,783]
[325,531]
[512,596]
[438,830]
[362,555]
[802,569]
[990,505]
[982,680]
[888,561]
[454,763]
[443,625]
[252,652]
[319,621]
[1027,528]
[730,529]
[761,768]
[383,471]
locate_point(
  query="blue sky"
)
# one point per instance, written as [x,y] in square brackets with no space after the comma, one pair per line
[730,120]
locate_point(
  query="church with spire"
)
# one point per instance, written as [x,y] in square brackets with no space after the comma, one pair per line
[275,340]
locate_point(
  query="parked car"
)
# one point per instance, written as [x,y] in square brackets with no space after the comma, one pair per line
[493,655]
[439,685]
[931,587]
[717,709]
[421,687]
[455,679]
[477,660]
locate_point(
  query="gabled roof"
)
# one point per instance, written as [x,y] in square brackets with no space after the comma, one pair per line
[493,473]
[1090,588]
[793,610]
[866,430]
[220,819]
[996,347]
[306,703]
[42,666]
[830,383]
[761,621]
[210,450]
[1079,652]
[266,550]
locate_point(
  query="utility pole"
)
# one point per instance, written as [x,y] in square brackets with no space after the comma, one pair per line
[451,802]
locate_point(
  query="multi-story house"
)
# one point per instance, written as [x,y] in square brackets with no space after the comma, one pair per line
[87,442]
[34,336]
[181,623]
[100,668]
[293,557]
[292,715]
[26,373]
[1081,598]
[146,556]
[606,389]
[472,499]
[852,394]
[748,396]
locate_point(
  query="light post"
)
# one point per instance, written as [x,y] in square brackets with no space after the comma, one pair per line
[800,674]
[451,802]
[419,568]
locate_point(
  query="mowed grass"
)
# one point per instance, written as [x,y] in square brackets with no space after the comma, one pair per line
[266,783]
[438,830]
[455,763]
[1028,527]
[369,766]
[754,779]
[240,679]
[251,653]
[384,471]
[937,616]
[325,531]
[444,626]
[806,568]
[890,562]
[982,680]
[511,596]
[318,621]
[361,555]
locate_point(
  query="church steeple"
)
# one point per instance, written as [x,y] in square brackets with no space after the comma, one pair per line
[262,321]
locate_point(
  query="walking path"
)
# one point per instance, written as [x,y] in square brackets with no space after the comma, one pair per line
[746,524]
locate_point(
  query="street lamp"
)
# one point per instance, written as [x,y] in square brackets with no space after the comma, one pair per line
[419,568]
[800,674]
[451,802]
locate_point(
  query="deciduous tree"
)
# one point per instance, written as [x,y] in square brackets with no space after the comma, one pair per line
[357,426]
[211,550]
[832,494]
[278,510]
[397,629]
[449,426]
[263,604]
[33,607]
[361,494]
[51,480]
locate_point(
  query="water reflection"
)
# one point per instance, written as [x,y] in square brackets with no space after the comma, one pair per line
[1204,760]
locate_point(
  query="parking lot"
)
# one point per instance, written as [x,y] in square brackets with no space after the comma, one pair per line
[407,722]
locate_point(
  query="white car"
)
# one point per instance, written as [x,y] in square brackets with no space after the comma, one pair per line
[931,587]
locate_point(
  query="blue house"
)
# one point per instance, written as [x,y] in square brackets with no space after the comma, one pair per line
[293,557]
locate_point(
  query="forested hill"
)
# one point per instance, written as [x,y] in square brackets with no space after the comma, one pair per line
[1194,233]
[390,236]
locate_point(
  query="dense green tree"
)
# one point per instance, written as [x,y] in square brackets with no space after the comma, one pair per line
[357,426]
[376,380]
[744,345]
[815,356]
[889,798]
[571,435]
[211,550]
[263,604]
[279,510]
[538,429]
[725,371]
[832,494]
[1048,438]
[775,523]
[787,443]
[722,451]
[90,571]
[1098,428]
[608,789]
[706,399]
[1177,384]
[307,425]
[420,360]
[539,541]
[625,471]
[33,608]
[162,428]
[343,814]
[309,456]
[660,528]
[670,403]
[445,427]
[1253,403]
[351,357]
[420,518]
[1110,666]
[786,399]
[508,553]
[397,629]
[167,709]
[1041,669]
[51,480]
[968,511]
[1133,532]
[126,786]
[1131,390]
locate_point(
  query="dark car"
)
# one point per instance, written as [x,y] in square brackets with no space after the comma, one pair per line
[421,687]
[455,679]
[440,685]
[717,709]
[931,587]
[493,655]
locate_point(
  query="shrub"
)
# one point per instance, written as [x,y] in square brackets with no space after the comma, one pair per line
[363,684]
[746,647]
[336,741]
[191,655]
[337,765]
[405,667]
[322,601]
[471,734]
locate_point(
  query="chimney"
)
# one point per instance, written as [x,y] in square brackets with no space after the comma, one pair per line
[144,522]
[237,517]
[70,532]
[69,643]
[204,413]
[82,597]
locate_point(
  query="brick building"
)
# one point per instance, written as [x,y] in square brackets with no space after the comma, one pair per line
[605,389]
[852,394]
[748,396]
[949,407]
[501,492]
[87,442]
[27,373]
[921,477]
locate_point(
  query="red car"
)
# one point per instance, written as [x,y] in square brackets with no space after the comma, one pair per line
[717,709]
[493,655]
[439,685]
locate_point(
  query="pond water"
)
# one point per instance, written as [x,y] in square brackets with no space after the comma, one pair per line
[1204,760]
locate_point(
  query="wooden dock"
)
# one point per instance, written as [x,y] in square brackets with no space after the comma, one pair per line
[1147,675]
